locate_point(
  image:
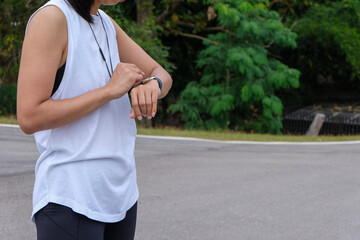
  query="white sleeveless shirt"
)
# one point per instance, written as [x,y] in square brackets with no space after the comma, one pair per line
[88,165]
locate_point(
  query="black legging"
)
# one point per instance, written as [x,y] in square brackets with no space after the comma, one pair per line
[57,222]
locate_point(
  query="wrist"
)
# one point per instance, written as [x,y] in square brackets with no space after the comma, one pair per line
[110,94]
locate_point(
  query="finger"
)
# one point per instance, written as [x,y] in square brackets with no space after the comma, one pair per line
[126,69]
[132,113]
[138,80]
[142,100]
[135,68]
[148,100]
[154,103]
[135,105]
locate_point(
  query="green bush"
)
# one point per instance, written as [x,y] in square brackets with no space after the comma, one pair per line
[240,77]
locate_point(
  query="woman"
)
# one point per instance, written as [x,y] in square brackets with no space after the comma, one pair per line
[72,93]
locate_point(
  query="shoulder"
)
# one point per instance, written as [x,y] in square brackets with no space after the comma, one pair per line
[49,18]
[47,28]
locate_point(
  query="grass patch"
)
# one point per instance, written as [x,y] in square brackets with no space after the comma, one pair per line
[8,119]
[226,135]
[223,135]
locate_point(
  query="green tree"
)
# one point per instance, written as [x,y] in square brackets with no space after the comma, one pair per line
[328,53]
[240,76]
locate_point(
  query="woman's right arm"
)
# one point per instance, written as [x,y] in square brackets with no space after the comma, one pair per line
[43,48]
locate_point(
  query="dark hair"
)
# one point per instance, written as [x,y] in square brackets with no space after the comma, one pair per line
[82,7]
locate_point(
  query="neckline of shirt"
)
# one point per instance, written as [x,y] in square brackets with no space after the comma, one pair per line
[96,17]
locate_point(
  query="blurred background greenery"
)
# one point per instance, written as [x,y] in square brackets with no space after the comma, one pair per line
[236,64]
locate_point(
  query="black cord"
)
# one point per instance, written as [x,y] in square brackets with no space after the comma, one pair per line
[100,50]
[107,41]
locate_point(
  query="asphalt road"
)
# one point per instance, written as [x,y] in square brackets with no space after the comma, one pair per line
[214,190]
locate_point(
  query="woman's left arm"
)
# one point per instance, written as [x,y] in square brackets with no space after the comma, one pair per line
[143,97]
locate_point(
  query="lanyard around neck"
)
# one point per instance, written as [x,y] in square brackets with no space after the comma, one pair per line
[100,50]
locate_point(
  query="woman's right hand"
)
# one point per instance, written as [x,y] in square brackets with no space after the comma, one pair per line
[124,77]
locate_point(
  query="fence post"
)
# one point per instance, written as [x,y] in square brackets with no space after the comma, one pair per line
[316,125]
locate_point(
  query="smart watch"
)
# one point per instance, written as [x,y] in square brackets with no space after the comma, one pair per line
[152,78]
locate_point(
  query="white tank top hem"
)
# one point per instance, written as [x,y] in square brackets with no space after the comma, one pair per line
[78,208]
[88,165]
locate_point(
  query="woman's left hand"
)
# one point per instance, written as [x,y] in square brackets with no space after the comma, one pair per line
[144,100]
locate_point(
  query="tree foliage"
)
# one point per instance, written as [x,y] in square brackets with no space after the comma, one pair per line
[13,18]
[328,53]
[333,32]
[14,15]
[240,76]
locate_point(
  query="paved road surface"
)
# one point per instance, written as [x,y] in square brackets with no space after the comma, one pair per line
[214,190]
